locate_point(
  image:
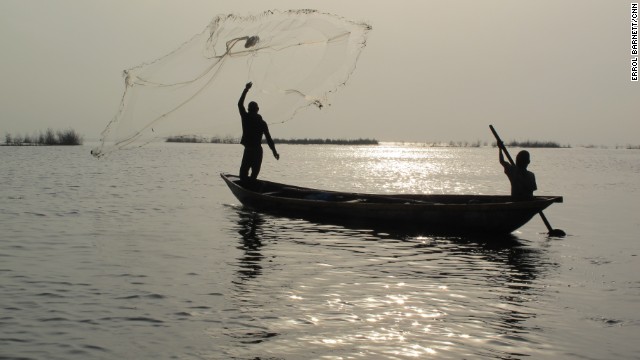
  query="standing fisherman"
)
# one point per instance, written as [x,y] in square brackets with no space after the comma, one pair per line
[253,127]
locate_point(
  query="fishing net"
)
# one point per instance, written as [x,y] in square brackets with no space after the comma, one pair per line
[295,60]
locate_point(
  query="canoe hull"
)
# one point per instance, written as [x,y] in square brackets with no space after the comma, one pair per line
[476,214]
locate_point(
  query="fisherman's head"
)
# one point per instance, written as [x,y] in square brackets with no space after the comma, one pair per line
[523,159]
[253,107]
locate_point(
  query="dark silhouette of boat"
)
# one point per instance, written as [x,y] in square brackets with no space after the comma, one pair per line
[450,214]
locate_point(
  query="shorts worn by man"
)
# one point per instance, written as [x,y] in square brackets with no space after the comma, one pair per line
[253,127]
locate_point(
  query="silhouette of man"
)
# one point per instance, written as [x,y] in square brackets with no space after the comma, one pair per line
[523,181]
[253,127]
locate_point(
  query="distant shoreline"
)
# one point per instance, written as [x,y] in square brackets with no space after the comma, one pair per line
[536,144]
[46,138]
[307,141]
[71,137]
[372,142]
[232,140]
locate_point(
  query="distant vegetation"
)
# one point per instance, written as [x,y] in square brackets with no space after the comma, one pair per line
[475,144]
[479,143]
[49,137]
[535,144]
[326,141]
[232,140]
[188,139]
[450,144]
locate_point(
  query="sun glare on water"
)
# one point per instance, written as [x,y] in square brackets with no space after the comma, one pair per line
[404,169]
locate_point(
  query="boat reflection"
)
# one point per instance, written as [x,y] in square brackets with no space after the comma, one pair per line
[429,294]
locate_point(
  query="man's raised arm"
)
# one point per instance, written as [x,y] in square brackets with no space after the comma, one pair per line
[504,164]
[243,96]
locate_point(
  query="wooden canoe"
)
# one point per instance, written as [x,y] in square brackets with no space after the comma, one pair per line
[455,214]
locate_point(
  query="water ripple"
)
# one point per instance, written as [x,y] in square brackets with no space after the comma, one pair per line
[390,290]
[140,256]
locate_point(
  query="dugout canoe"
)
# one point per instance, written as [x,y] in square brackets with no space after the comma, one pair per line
[428,213]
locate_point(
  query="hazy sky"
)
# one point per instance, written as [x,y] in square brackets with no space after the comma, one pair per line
[431,71]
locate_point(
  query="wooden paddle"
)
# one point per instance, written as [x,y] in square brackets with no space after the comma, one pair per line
[552,231]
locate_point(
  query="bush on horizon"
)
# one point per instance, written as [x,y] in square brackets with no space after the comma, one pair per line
[535,144]
[48,138]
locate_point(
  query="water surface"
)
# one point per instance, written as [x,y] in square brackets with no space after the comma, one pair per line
[146,254]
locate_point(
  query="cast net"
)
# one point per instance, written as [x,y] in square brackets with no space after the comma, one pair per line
[295,59]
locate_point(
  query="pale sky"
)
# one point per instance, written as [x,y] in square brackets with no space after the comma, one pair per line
[431,71]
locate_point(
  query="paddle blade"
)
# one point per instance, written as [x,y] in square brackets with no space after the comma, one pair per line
[557,233]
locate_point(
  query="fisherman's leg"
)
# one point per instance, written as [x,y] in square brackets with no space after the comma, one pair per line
[257,163]
[245,164]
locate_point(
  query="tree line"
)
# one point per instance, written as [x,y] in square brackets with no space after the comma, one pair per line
[48,137]
[232,140]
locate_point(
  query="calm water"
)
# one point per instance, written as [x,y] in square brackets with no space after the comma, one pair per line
[147,255]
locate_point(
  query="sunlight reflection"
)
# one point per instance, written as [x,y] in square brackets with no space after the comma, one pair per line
[401,315]
[457,296]
[415,351]
[432,315]
[398,299]
[331,341]
[393,322]
[397,168]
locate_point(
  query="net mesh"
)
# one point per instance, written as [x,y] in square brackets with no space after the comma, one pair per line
[295,59]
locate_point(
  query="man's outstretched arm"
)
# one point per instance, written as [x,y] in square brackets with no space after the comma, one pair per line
[243,96]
